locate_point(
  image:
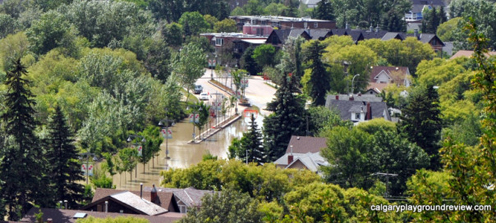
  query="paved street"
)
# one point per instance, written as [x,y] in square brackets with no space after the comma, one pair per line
[257,92]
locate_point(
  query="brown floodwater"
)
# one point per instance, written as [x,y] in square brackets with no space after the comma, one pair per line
[182,153]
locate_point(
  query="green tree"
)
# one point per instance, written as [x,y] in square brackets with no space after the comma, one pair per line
[264,55]
[64,169]
[275,9]
[12,47]
[173,34]
[225,206]
[288,119]
[128,159]
[324,10]
[251,148]
[247,62]
[226,25]
[7,25]
[189,65]
[320,80]
[22,154]
[49,32]
[211,20]
[446,31]
[193,23]
[421,122]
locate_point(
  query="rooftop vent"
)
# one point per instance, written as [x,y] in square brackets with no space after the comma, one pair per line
[80,215]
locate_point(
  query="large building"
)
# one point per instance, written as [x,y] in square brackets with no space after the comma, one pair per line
[283,22]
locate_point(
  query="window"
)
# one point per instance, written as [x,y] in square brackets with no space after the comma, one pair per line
[357,116]
[315,25]
[183,209]
[219,41]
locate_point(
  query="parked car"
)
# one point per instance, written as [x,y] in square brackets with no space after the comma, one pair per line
[198,89]
[204,96]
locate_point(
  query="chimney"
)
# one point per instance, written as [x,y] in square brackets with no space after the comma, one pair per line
[153,194]
[290,158]
[416,33]
[346,26]
[65,204]
[49,220]
[351,97]
[308,31]
[377,28]
[371,28]
[106,206]
[369,112]
[141,190]
[337,97]
[362,115]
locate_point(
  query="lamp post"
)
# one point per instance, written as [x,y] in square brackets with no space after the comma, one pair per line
[167,135]
[194,111]
[386,194]
[87,156]
[352,82]
[143,140]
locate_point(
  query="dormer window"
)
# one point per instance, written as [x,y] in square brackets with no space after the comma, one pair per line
[219,41]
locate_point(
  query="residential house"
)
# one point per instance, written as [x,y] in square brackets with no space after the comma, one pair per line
[283,22]
[186,198]
[382,76]
[132,202]
[303,152]
[358,108]
[418,6]
[468,53]
[51,215]
[310,3]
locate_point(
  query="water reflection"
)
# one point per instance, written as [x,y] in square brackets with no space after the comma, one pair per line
[182,154]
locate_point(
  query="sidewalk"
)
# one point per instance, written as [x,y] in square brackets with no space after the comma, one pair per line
[215,129]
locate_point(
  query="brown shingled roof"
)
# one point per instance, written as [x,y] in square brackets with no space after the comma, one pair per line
[62,215]
[305,144]
[165,197]
[468,53]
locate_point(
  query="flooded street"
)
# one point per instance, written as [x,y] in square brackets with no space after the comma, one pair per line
[182,154]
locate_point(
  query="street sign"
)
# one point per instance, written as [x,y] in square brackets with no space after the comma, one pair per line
[88,168]
[217,105]
[197,118]
[244,83]
[167,134]
[140,150]
[194,117]
[247,113]
[191,116]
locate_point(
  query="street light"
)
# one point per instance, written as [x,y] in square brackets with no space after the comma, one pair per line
[352,82]
[386,194]
[166,124]
[194,111]
[143,140]
[87,156]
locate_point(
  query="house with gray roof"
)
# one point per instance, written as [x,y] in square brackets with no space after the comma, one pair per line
[186,198]
[303,152]
[358,110]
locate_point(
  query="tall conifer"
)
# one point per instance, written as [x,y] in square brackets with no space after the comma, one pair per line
[64,169]
[22,178]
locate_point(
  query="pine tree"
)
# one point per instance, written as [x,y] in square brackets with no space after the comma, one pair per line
[62,156]
[22,178]
[421,123]
[319,79]
[324,10]
[442,16]
[249,63]
[251,144]
[288,119]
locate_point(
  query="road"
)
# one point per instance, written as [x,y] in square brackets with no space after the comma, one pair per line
[257,92]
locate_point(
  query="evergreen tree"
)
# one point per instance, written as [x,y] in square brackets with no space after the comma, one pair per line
[442,17]
[62,156]
[319,79]
[22,179]
[324,10]
[251,144]
[248,63]
[421,122]
[288,119]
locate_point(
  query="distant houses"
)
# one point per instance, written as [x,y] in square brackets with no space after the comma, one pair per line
[303,152]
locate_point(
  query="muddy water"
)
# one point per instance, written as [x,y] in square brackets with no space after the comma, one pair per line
[182,154]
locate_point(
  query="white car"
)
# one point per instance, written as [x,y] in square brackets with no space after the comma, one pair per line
[204,96]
